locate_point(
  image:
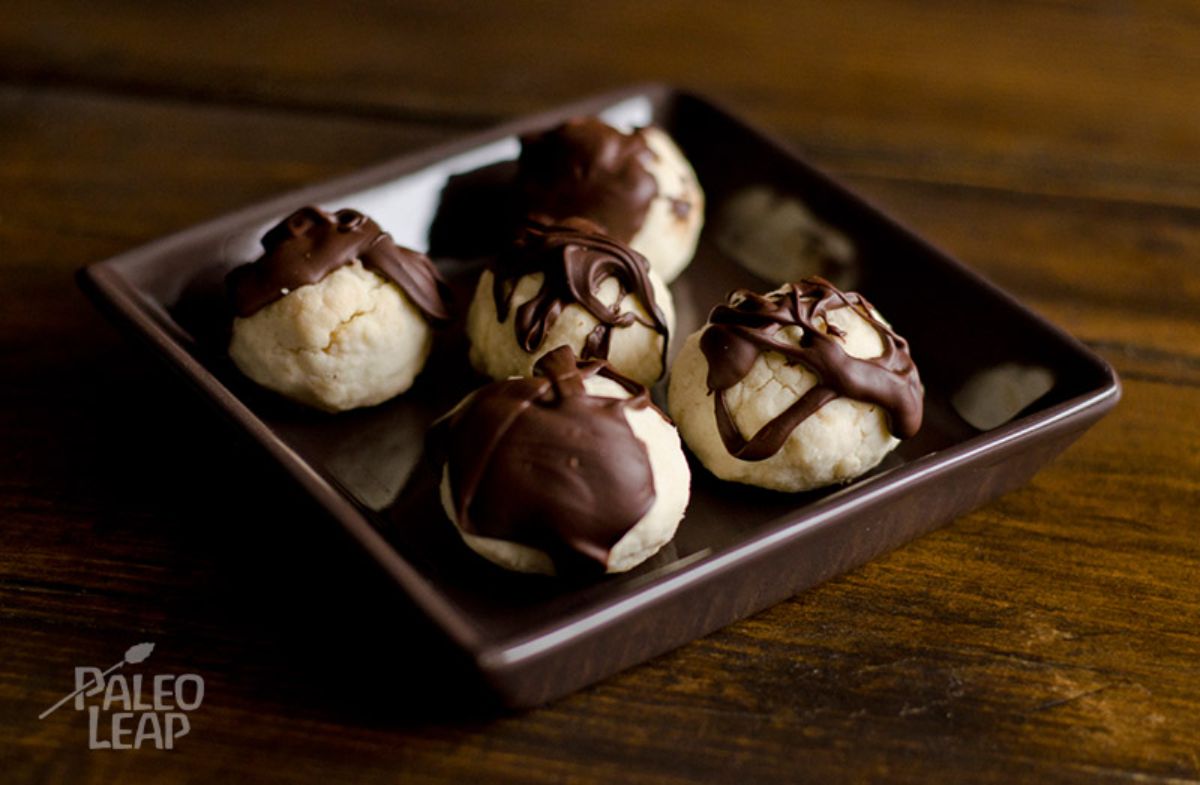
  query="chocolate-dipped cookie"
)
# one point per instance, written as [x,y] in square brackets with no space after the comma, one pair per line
[334,314]
[799,388]
[570,285]
[637,186]
[571,469]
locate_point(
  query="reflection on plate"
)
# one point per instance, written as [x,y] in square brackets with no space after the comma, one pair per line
[778,238]
[995,395]
[738,549]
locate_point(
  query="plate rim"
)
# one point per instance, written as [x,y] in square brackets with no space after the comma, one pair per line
[115,295]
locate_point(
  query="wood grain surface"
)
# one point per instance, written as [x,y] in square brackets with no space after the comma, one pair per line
[1051,637]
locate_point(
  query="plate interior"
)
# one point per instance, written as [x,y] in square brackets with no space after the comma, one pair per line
[453,205]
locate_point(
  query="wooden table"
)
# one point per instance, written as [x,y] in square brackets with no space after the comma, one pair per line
[1051,637]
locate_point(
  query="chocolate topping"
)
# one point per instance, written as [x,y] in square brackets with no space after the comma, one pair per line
[746,327]
[310,243]
[539,461]
[587,168]
[573,258]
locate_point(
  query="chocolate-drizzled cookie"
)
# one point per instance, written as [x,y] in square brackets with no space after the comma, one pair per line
[573,257]
[587,168]
[311,243]
[540,462]
[747,326]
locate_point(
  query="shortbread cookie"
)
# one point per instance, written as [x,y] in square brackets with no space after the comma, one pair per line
[800,388]
[638,187]
[570,469]
[334,314]
[570,285]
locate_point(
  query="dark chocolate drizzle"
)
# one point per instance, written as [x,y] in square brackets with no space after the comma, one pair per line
[539,461]
[587,168]
[573,258]
[310,243]
[746,327]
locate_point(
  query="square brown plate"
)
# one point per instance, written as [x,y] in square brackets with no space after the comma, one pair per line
[739,549]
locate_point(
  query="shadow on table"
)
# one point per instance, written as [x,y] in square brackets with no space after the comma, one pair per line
[264,588]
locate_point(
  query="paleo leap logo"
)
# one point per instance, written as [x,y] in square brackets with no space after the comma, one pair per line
[121,718]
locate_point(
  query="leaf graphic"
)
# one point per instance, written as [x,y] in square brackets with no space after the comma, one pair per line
[139,652]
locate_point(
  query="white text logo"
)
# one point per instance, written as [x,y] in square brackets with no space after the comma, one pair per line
[132,711]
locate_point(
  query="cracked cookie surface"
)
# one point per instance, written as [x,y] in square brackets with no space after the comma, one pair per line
[841,440]
[352,339]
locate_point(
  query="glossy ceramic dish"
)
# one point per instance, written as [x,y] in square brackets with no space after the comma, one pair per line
[738,549]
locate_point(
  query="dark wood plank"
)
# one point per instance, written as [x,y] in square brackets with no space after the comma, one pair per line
[126,169]
[1097,97]
[1120,275]
[1050,637]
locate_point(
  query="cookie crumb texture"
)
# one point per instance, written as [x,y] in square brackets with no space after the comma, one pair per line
[352,339]
[571,512]
[635,351]
[638,186]
[671,230]
[570,284]
[841,440]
